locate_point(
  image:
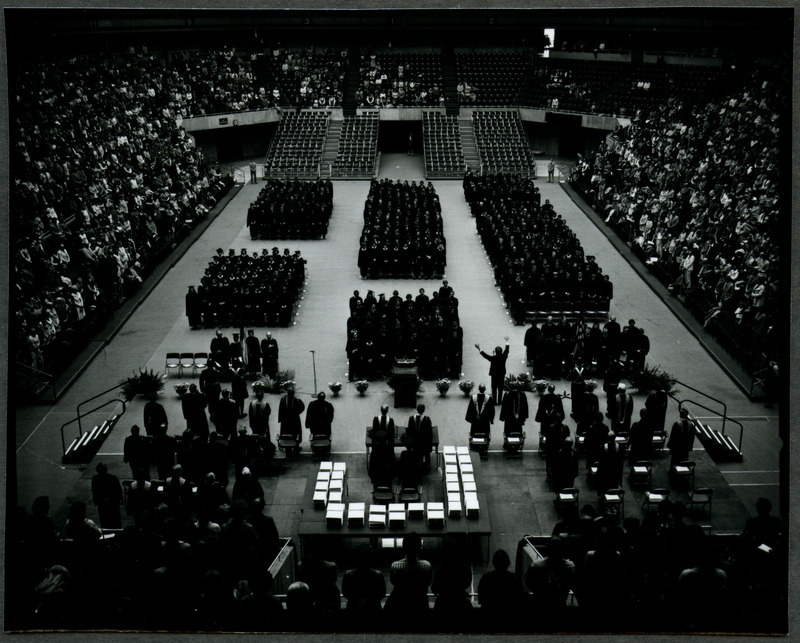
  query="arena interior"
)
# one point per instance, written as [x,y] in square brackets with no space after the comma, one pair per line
[569,231]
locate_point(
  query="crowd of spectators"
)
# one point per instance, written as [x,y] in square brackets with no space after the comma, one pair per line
[235,80]
[695,191]
[198,561]
[248,289]
[423,328]
[291,210]
[103,181]
[536,257]
[402,234]
[400,80]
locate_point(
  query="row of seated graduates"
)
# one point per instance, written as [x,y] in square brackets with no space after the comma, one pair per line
[402,235]
[380,330]
[554,347]
[291,210]
[86,187]
[258,290]
[534,253]
[204,568]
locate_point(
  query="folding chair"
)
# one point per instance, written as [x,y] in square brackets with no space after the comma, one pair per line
[200,361]
[682,474]
[173,363]
[566,498]
[480,443]
[513,444]
[289,444]
[613,501]
[187,363]
[700,497]
[320,447]
[382,494]
[641,474]
[655,498]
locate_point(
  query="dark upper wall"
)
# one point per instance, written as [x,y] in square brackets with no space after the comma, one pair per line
[76,30]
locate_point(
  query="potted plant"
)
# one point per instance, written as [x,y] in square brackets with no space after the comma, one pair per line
[143,383]
[652,378]
[181,389]
[466,387]
[541,386]
[512,383]
[590,384]
[278,385]
[361,387]
[335,387]
[443,385]
[525,383]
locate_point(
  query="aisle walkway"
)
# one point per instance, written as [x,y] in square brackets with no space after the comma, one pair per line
[521,506]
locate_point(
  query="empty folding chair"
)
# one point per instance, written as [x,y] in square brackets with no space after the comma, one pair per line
[682,475]
[566,499]
[700,497]
[173,363]
[641,474]
[187,363]
[613,501]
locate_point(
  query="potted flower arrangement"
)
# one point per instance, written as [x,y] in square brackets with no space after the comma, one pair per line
[512,383]
[143,383]
[181,389]
[443,385]
[335,387]
[262,385]
[466,387]
[540,386]
[288,384]
[590,384]
[361,387]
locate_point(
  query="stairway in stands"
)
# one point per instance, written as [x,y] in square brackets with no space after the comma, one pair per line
[330,149]
[352,80]
[450,80]
[468,145]
[526,91]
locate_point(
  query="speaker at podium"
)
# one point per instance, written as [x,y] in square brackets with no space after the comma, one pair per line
[404,377]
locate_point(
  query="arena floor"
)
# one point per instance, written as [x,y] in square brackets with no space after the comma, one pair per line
[518,497]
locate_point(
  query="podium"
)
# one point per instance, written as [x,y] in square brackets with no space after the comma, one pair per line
[404,377]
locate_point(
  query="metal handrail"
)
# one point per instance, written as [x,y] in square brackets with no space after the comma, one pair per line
[78,408]
[36,375]
[116,400]
[741,426]
[710,397]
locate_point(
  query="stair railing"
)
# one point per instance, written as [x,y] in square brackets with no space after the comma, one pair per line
[723,414]
[116,400]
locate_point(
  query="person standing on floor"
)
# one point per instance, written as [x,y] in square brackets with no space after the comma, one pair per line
[269,356]
[681,439]
[497,369]
[289,411]
[107,497]
[253,353]
[136,452]
[253,172]
[155,417]
[551,170]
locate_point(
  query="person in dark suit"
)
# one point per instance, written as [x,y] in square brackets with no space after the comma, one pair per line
[480,415]
[381,461]
[681,439]
[497,369]
[155,417]
[514,411]
[226,415]
[136,452]
[253,352]
[563,466]
[269,356]
[532,343]
[220,348]
[609,467]
[107,497]
[194,411]
[419,435]
[319,416]
[289,411]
